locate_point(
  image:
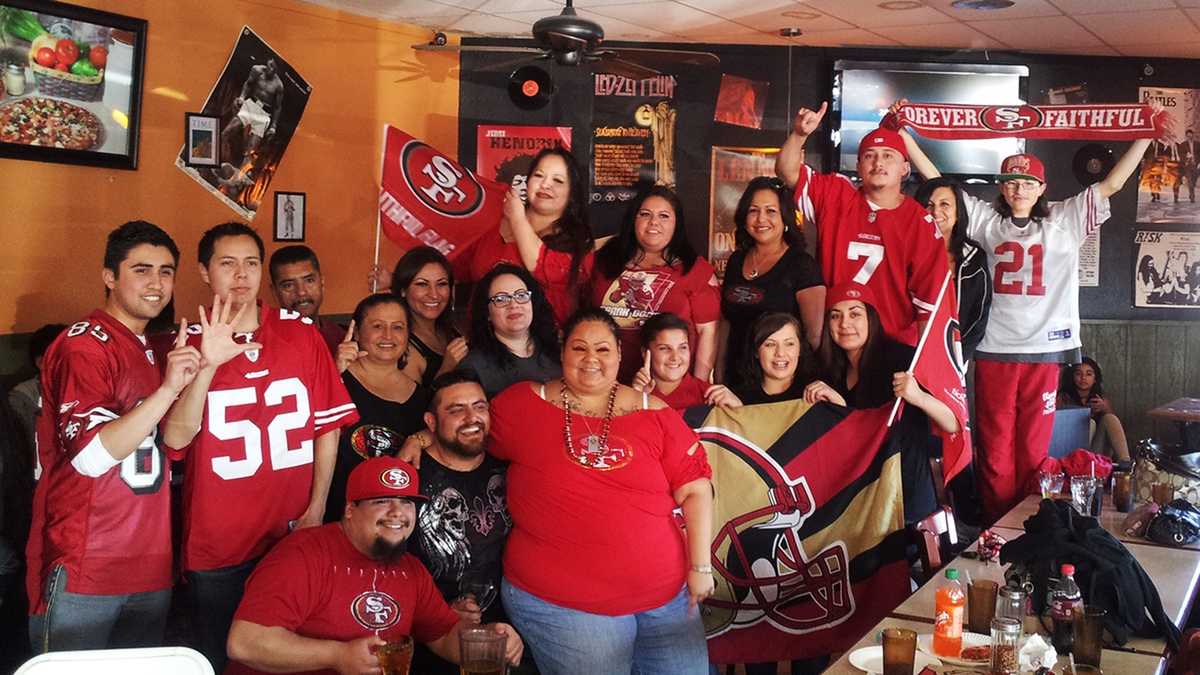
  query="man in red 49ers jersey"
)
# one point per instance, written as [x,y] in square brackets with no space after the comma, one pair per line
[874,235]
[100,548]
[323,600]
[259,426]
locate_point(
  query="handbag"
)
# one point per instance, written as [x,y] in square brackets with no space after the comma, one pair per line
[1158,463]
[1177,524]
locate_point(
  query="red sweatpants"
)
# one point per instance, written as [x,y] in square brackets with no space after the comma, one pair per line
[1014,409]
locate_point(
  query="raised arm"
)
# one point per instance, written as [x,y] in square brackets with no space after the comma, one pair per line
[791,154]
[1123,169]
[529,244]
[917,157]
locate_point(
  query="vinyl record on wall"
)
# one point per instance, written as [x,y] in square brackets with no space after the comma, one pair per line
[530,87]
[1092,162]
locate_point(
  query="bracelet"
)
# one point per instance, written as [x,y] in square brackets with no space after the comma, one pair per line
[702,569]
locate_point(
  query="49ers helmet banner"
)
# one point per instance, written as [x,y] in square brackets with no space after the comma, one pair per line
[428,199]
[1118,122]
[808,551]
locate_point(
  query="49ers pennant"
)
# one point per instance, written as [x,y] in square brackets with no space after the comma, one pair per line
[1120,122]
[428,199]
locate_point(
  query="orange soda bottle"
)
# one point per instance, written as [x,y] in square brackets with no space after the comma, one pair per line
[949,604]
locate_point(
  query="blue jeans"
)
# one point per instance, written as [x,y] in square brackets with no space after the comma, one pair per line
[666,639]
[214,596]
[76,621]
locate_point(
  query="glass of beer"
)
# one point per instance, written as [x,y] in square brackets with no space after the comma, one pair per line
[899,651]
[981,605]
[1122,492]
[395,658]
[482,651]
[1162,493]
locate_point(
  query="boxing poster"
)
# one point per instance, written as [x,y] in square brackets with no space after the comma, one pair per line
[732,169]
[504,153]
[633,141]
[1167,269]
[260,99]
[1167,187]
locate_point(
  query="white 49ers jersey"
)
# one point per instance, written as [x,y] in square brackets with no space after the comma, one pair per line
[250,468]
[1035,273]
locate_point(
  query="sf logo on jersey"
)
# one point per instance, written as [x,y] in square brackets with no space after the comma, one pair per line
[375,610]
[439,183]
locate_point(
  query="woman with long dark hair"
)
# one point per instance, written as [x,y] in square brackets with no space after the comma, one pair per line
[1082,384]
[768,272]
[424,279]
[513,337]
[651,267]
[943,197]
[777,368]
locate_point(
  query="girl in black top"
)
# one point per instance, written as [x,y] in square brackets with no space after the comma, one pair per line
[768,272]
[777,368]
[424,279]
[391,405]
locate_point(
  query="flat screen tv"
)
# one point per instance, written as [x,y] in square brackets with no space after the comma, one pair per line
[863,90]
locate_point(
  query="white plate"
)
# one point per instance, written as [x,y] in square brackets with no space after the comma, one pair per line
[870,659]
[925,644]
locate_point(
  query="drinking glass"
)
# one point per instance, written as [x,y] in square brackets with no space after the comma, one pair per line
[482,652]
[1083,489]
[1122,493]
[899,651]
[1162,493]
[981,605]
[1051,483]
[395,658]
[480,586]
[1088,628]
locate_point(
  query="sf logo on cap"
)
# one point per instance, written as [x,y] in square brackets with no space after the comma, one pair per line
[397,479]
[1019,163]
[853,293]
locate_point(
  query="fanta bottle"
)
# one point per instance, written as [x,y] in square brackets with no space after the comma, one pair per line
[948,616]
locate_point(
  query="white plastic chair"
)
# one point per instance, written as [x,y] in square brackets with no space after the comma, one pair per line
[151,661]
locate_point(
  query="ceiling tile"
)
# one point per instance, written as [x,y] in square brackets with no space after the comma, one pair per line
[1036,34]
[1074,7]
[1167,25]
[770,20]
[952,35]
[549,7]
[390,9]
[868,14]
[1097,50]
[1182,50]
[845,38]
[1023,8]
[681,19]
[614,29]
[490,24]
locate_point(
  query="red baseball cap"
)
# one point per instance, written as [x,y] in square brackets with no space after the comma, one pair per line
[849,291]
[1022,167]
[383,477]
[883,138]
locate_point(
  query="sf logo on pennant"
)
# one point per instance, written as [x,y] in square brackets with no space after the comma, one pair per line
[438,182]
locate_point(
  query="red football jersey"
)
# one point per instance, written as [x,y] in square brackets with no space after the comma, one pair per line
[107,522]
[317,585]
[898,253]
[249,469]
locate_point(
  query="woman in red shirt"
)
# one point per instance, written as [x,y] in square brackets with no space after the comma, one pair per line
[651,267]
[596,574]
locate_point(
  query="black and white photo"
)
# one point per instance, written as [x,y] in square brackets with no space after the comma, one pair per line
[1167,269]
[289,216]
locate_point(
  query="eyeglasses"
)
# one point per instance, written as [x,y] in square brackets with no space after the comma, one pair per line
[506,299]
[1021,185]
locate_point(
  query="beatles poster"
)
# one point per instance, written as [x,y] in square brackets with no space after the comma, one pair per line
[504,153]
[1167,187]
[633,140]
[732,169]
[1167,272]
[260,99]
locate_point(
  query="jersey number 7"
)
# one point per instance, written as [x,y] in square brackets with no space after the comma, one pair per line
[873,254]
[282,456]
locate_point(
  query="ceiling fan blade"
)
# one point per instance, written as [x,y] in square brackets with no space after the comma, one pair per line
[619,66]
[507,64]
[570,42]
[672,56]
[424,47]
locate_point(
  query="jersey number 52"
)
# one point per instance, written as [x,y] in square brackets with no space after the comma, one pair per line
[1008,276]
[282,456]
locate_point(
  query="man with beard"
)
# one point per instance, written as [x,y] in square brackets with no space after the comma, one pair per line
[462,530]
[298,285]
[326,597]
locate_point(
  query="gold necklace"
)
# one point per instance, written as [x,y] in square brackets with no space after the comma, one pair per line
[594,444]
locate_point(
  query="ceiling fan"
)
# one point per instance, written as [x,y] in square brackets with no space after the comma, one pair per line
[572,40]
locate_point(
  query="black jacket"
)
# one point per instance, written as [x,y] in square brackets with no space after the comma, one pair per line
[974,297]
[1107,573]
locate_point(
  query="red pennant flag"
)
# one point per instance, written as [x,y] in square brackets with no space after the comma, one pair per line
[1110,122]
[428,199]
[939,368]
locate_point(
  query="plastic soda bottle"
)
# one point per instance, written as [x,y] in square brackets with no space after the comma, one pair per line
[1063,600]
[948,616]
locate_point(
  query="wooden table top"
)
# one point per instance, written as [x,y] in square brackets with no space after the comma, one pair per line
[1179,410]
[1110,519]
[1117,662]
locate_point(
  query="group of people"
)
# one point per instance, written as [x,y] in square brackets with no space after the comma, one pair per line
[344,485]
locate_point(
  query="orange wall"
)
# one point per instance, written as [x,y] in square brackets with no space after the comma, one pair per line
[54,217]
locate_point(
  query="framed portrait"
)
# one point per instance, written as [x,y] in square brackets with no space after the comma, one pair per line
[202,140]
[289,216]
[79,70]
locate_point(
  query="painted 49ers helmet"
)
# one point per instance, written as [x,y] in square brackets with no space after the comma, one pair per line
[760,565]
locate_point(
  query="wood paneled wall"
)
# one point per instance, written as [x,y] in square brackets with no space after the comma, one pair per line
[1145,364]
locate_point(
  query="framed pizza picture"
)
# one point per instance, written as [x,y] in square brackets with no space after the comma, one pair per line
[72,83]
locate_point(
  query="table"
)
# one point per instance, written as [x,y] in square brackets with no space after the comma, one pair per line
[1182,411]
[1110,519]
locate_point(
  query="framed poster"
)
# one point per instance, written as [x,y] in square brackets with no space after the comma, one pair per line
[732,169]
[203,148]
[1166,269]
[505,152]
[78,73]
[289,216]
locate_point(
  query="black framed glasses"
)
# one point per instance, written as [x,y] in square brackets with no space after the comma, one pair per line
[506,299]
